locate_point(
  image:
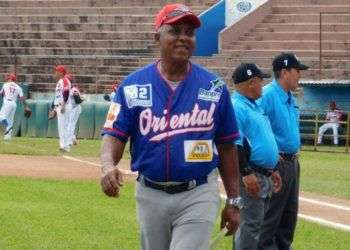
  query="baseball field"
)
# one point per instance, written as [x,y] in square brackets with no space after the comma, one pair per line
[54,201]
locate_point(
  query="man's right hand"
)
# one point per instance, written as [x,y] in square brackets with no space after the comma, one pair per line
[111,182]
[251,184]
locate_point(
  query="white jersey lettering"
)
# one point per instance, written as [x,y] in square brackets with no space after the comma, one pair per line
[196,120]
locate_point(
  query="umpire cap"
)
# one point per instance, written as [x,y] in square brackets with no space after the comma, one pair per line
[287,61]
[246,71]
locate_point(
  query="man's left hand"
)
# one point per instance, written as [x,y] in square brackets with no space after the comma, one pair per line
[230,219]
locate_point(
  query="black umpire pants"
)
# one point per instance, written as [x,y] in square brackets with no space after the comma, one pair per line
[280,220]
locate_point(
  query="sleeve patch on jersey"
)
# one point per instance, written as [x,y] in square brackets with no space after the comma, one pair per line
[198,150]
[214,93]
[112,114]
[138,95]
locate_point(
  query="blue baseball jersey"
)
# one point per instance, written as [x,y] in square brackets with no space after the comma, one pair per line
[254,125]
[172,132]
[283,112]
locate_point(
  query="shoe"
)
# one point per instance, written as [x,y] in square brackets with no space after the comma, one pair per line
[7,137]
[75,142]
[64,150]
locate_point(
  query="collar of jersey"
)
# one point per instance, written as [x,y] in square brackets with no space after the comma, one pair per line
[281,93]
[250,102]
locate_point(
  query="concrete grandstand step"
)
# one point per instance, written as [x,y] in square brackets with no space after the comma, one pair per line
[74,27]
[221,61]
[109,10]
[56,43]
[302,27]
[96,3]
[311,73]
[77,35]
[310,2]
[306,18]
[73,69]
[295,35]
[290,45]
[77,19]
[309,9]
[74,51]
[89,60]
[299,53]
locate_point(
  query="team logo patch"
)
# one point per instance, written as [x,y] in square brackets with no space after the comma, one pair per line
[112,115]
[198,150]
[214,93]
[138,95]
[244,6]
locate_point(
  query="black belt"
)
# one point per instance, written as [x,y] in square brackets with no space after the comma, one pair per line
[288,157]
[174,188]
[264,171]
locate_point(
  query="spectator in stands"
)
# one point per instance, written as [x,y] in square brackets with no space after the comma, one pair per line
[281,108]
[333,117]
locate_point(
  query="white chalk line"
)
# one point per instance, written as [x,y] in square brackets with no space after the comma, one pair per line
[326,204]
[124,171]
[324,222]
[315,219]
[321,203]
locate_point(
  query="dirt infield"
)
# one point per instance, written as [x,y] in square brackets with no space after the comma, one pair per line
[318,206]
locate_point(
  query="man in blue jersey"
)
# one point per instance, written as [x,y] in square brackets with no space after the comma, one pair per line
[182,129]
[283,113]
[257,153]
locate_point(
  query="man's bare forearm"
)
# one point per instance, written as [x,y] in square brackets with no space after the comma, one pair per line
[111,152]
[228,168]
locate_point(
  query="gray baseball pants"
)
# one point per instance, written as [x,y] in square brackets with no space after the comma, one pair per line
[182,221]
[280,221]
[252,214]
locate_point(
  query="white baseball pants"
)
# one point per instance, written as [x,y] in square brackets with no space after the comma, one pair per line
[324,128]
[73,119]
[62,125]
[7,114]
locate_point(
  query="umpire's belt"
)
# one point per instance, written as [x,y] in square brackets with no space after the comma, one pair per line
[264,171]
[288,157]
[173,188]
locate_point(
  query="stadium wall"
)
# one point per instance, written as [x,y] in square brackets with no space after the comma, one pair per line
[316,97]
[213,21]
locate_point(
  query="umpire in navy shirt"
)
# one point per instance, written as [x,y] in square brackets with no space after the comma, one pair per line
[283,113]
[258,154]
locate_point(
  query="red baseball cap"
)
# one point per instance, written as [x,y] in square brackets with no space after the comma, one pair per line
[61,69]
[11,77]
[173,13]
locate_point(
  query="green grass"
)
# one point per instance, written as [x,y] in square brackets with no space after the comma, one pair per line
[321,172]
[49,146]
[49,214]
[326,148]
[325,173]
